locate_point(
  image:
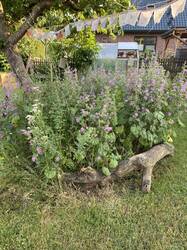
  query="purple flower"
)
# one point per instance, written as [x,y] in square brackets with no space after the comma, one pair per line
[33,158]
[84,112]
[39,150]
[77,119]
[108,129]
[184,87]
[82,130]
[26,132]
[175,88]
[111,82]
[162,86]
[152,81]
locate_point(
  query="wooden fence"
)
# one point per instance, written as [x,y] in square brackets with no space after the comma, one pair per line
[173,65]
[40,63]
[45,68]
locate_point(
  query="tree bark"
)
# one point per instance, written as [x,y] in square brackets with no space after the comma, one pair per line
[145,161]
[18,67]
[10,41]
[37,10]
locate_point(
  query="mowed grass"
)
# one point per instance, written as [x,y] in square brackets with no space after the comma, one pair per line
[36,216]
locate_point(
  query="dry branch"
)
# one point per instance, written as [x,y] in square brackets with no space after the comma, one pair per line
[145,161]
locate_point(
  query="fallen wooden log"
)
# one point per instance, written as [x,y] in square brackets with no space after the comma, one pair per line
[145,161]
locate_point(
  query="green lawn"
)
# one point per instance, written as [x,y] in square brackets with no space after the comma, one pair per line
[34,216]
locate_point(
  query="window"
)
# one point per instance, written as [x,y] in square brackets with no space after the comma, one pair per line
[147,42]
[126,54]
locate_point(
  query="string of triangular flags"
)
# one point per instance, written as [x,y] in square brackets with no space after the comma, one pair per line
[129,17]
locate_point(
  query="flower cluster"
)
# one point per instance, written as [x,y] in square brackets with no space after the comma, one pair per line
[98,119]
[154,103]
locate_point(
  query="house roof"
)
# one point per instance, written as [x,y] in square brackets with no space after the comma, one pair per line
[167,22]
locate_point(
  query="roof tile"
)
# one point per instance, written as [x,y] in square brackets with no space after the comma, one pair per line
[167,22]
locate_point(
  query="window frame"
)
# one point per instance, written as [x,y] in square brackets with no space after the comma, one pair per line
[144,43]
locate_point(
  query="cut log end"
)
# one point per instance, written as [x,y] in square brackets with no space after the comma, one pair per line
[145,161]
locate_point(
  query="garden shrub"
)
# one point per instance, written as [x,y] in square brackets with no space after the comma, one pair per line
[4,65]
[80,50]
[29,47]
[95,120]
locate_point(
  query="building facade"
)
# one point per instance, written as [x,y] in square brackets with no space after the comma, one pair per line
[165,38]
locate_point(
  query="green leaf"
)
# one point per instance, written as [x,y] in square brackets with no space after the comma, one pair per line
[50,173]
[119,130]
[15,119]
[106,171]
[135,130]
[113,164]
[180,123]
[159,115]
[174,134]
[150,137]
[80,155]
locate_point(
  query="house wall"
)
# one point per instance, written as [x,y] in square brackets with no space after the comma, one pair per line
[172,45]
[160,44]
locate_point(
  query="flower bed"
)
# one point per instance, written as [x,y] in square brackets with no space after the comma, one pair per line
[96,120]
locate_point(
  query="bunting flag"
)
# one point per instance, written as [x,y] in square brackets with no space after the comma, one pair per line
[79,25]
[145,17]
[177,7]
[159,13]
[113,20]
[51,35]
[103,22]
[38,34]
[87,23]
[122,19]
[67,30]
[131,17]
[95,24]
[60,35]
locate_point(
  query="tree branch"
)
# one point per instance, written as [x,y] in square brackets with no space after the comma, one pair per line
[30,20]
[3,29]
[146,161]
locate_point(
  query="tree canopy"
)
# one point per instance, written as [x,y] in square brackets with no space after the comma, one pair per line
[17,9]
[17,16]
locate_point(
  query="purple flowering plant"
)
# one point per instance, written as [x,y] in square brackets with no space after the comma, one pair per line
[154,104]
[96,119]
